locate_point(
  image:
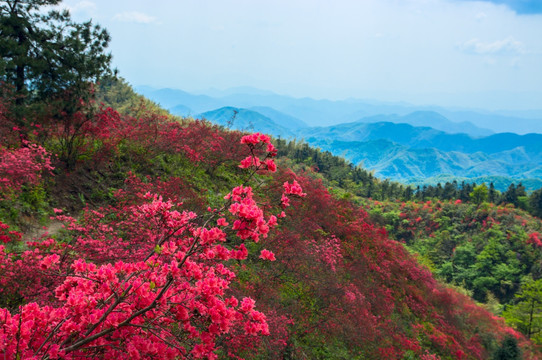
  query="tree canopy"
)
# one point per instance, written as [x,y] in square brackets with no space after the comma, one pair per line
[526,313]
[46,55]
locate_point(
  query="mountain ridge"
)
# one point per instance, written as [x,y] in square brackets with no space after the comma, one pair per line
[402,152]
[324,112]
[423,143]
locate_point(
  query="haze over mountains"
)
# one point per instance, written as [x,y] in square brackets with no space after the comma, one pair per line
[326,112]
[398,141]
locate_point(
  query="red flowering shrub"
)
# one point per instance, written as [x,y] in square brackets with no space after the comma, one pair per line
[21,166]
[143,279]
[534,238]
[7,235]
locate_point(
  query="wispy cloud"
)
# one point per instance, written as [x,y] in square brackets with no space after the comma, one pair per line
[135,17]
[505,46]
[81,6]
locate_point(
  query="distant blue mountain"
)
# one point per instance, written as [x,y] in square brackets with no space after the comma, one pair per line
[246,120]
[402,151]
[498,122]
[172,98]
[397,141]
[430,119]
[326,112]
[280,118]
[426,137]
[181,110]
[399,162]
[247,90]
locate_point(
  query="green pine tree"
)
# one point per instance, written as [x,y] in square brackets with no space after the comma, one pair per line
[526,314]
[509,350]
[47,55]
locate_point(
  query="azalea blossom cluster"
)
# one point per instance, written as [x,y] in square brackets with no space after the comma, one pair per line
[291,189]
[141,279]
[21,166]
[7,235]
[535,239]
[255,141]
[251,222]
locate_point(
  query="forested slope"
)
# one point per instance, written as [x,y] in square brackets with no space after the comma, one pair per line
[185,240]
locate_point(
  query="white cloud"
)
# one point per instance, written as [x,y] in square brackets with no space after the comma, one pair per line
[81,7]
[508,45]
[135,16]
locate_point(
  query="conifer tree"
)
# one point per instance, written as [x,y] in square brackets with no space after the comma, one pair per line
[509,350]
[48,56]
[535,203]
[526,314]
[493,194]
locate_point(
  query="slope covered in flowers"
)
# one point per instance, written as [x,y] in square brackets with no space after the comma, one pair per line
[183,240]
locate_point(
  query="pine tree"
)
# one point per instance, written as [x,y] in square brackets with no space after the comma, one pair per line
[493,194]
[511,195]
[526,313]
[509,350]
[47,56]
[535,203]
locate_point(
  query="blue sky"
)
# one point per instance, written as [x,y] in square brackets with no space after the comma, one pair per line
[484,54]
[519,6]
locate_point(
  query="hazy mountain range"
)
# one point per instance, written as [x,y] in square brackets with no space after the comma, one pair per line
[397,141]
[326,112]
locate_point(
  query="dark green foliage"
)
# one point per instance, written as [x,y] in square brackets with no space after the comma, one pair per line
[500,183]
[526,312]
[509,350]
[535,203]
[486,249]
[492,194]
[512,195]
[47,57]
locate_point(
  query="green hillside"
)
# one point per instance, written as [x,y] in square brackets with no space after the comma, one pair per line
[335,271]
